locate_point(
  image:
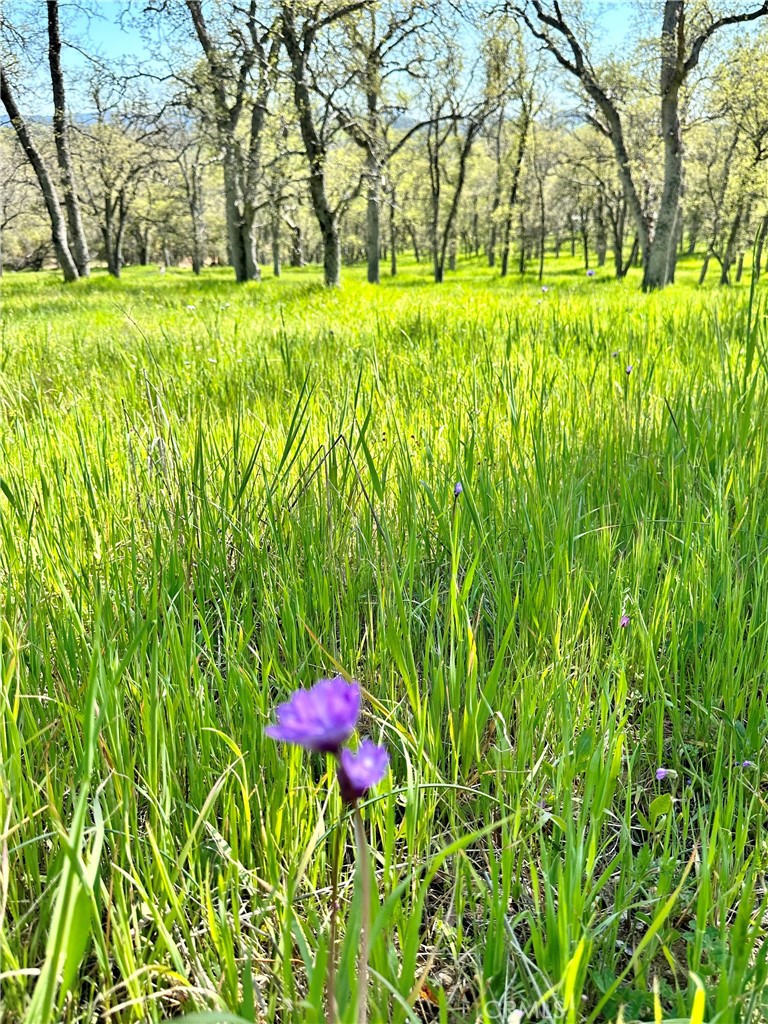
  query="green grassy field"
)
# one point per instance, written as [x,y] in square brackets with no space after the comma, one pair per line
[211,494]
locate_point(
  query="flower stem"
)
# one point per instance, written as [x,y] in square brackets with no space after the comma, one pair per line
[364,874]
[330,1006]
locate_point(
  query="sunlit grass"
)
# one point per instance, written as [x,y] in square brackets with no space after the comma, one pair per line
[203,507]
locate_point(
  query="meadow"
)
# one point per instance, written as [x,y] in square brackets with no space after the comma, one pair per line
[211,494]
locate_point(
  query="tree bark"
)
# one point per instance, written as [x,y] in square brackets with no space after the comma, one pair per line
[601,236]
[327,217]
[297,245]
[50,195]
[704,269]
[275,232]
[414,241]
[198,222]
[79,247]
[761,236]
[513,188]
[656,266]
[392,233]
[730,246]
[372,228]
[241,172]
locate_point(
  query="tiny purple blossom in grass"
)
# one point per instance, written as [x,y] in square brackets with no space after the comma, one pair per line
[544,288]
[458,489]
[662,773]
[360,771]
[624,621]
[590,273]
[321,718]
[748,764]
[629,369]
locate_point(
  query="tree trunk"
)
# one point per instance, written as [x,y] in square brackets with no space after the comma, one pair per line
[601,235]
[514,185]
[61,138]
[275,230]
[584,237]
[332,255]
[143,238]
[542,228]
[633,255]
[314,147]
[673,245]
[437,261]
[50,195]
[704,269]
[372,216]
[392,234]
[414,241]
[730,247]
[656,266]
[249,243]
[452,251]
[693,233]
[761,236]
[198,221]
[297,245]
[521,262]
[234,235]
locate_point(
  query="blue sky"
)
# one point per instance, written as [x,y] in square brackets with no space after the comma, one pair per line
[109,29]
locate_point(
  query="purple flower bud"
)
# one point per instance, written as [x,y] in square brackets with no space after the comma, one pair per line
[458,489]
[662,773]
[624,621]
[629,369]
[748,764]
[590,273]
[358,772]
[321,718]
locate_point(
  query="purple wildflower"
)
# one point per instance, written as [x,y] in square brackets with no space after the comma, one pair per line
[629,369]
[359,771]
[320,718]
[590,273]
[662,773]
[748,764]
[624,621]
[544,288]
[458,489]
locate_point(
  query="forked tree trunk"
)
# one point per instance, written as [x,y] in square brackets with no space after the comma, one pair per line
[513,188]
[50,195]
[314,148]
